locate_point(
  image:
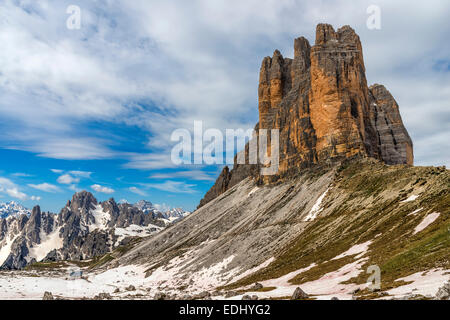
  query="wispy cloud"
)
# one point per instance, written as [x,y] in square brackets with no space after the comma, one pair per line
[46,187]
[150,161]
[15,193]
[55,83]
[83,174]
[21,175]
[102,189]
[138,191]
[11,189]
[173,186]
[67,179]
[197,175]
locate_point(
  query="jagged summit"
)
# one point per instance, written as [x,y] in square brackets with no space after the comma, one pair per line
[324,109]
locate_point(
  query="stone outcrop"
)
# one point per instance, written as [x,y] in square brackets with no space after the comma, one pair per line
[324,109]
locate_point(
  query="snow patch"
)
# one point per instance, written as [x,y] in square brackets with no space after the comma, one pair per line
[429,219]
[411,198]
[6,249]
[135,231]
[359,249]
[424,283]
[316,209]
[414,212]
[49,242]
[328,286]
[253,270]
[283,281]
[101,219]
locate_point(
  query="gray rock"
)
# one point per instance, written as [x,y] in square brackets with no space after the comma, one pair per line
[334,298]
[48,296]
[160,296]
[256,286]
[203,295]
[299,294]
[355,291]
[444,292]
[230,294]
[103,296]
[130,288]
[246,297]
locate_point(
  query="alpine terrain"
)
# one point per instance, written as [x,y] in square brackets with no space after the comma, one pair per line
[347,216]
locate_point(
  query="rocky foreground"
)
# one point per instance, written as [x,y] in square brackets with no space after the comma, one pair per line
[322,232]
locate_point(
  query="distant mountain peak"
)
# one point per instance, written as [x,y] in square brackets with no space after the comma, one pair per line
[12,209]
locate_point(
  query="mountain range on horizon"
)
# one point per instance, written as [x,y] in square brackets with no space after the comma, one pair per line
[83,229]
[14,208]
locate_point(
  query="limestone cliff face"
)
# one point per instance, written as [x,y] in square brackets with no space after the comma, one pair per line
[324,109]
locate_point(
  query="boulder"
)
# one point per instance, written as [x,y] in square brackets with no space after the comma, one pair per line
[444,292]
[48,296]
[299,294]
[160,296]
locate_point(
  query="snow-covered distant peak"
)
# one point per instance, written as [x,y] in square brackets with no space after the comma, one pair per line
[12,209]
[166,211]
[176,213]
[163,211]
[145,206]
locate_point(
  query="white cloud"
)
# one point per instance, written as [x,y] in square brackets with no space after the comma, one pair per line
[46,187]
[102,189]
[15,193]
[150,161]
[6,183]
[173,187]
[11,189]
[35,198]
[54,81]
[197,175]
[138,191]
[21,175]
[74,188]
[83,174]
[56,170]
[67,179]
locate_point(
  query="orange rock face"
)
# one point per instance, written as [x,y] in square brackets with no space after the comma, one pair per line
[324,109]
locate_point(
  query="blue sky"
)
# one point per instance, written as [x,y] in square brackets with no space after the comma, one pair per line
[93,109]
